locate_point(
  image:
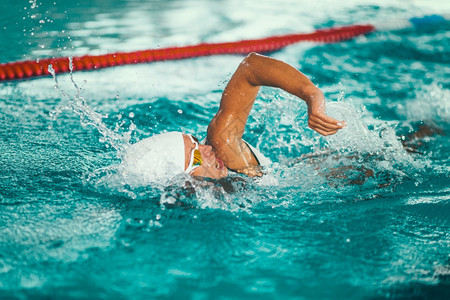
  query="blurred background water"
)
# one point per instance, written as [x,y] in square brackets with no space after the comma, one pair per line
[363,214]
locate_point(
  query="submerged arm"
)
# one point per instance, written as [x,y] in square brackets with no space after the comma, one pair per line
[227,127]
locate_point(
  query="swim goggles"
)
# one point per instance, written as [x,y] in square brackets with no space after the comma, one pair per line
[196,157]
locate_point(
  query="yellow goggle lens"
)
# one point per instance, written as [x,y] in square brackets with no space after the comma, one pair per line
[197,158]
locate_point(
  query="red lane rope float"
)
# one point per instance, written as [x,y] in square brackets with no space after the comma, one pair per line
[27,69]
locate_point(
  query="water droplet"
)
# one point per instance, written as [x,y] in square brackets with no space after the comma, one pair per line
[33,4]
[71,64]
[51,70]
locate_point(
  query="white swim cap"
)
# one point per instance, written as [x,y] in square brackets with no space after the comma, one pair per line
[155,158]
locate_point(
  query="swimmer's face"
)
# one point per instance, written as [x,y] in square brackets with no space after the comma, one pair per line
[210,167]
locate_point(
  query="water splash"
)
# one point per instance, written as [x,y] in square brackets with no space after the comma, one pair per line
[108,179]
[366,153]
[89,116]
[228,194]
[432,105]
[358,137]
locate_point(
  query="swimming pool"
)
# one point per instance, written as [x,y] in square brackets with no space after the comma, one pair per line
[351,216]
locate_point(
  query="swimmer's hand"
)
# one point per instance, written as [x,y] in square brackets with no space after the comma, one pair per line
[318,119]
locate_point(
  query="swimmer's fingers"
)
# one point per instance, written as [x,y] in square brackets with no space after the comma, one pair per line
[324,124]
[329,122]
[322,130]
[318,119]
[325,133]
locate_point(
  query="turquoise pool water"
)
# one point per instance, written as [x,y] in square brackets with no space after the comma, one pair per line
[363,214]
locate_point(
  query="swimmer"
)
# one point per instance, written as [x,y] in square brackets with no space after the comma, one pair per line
[172,153]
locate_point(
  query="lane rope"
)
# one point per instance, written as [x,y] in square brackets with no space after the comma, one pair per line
[27,69]
[31,68]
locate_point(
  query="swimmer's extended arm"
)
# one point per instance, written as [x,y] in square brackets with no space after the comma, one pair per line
[227,127]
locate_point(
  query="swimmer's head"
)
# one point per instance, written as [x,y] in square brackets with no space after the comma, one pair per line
[200,160]
[166,155]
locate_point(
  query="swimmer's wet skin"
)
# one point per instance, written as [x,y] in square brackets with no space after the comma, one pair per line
[225,149]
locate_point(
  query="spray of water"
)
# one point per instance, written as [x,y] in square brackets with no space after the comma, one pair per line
[88,116]
[366,153]
[108,178]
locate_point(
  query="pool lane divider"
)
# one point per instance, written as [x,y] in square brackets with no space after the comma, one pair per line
[36,68]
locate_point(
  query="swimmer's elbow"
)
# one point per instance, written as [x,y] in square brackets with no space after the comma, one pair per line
[249,67]
[252,55]
[251,59]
